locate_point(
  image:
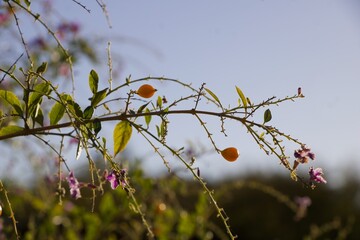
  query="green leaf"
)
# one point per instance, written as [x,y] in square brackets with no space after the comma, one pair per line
[98,97]
[36,95]
[261,136]
[96,126]
[27,2]
[39,91]
[85,132]
[161,130]
[38,116]
[142,107]
[267,115]
[88,112]
[66,97]
[159,102]
[122,135]
[42,68]
[93,81]
[75,108]
[10,129]
[56,113]
[242,96]
[12,99]
[248,100]
[158,129]
[147,117]
[213,95]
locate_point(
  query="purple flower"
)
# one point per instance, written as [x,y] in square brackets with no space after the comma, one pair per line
[316,175]
[113,179]
[117,178]
[74,185]
[304,154]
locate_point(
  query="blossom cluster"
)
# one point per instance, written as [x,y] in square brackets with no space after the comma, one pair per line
[303,155]
[115,178]
[74,185]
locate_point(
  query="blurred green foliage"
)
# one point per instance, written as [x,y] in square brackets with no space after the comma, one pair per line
[178,209]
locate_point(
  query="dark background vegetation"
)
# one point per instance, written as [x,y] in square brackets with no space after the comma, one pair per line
[178,209]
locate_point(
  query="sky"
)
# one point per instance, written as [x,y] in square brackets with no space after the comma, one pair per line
[267,48]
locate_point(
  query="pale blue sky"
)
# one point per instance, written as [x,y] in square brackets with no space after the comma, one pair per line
[265,47]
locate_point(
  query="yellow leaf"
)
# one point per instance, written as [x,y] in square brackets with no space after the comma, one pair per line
[122,135]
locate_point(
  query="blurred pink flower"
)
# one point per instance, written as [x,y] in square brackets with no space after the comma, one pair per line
[64,28]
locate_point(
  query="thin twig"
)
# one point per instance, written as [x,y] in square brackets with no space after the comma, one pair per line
[66,53]
[12,215]
[105,11]
[20,33]
[81,5]
[110,66]
[12,65]
[220,211]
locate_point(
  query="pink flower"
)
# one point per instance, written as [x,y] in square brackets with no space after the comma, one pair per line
[304,154]
[117,178]
[316,175]
[74,186]
[113,179]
